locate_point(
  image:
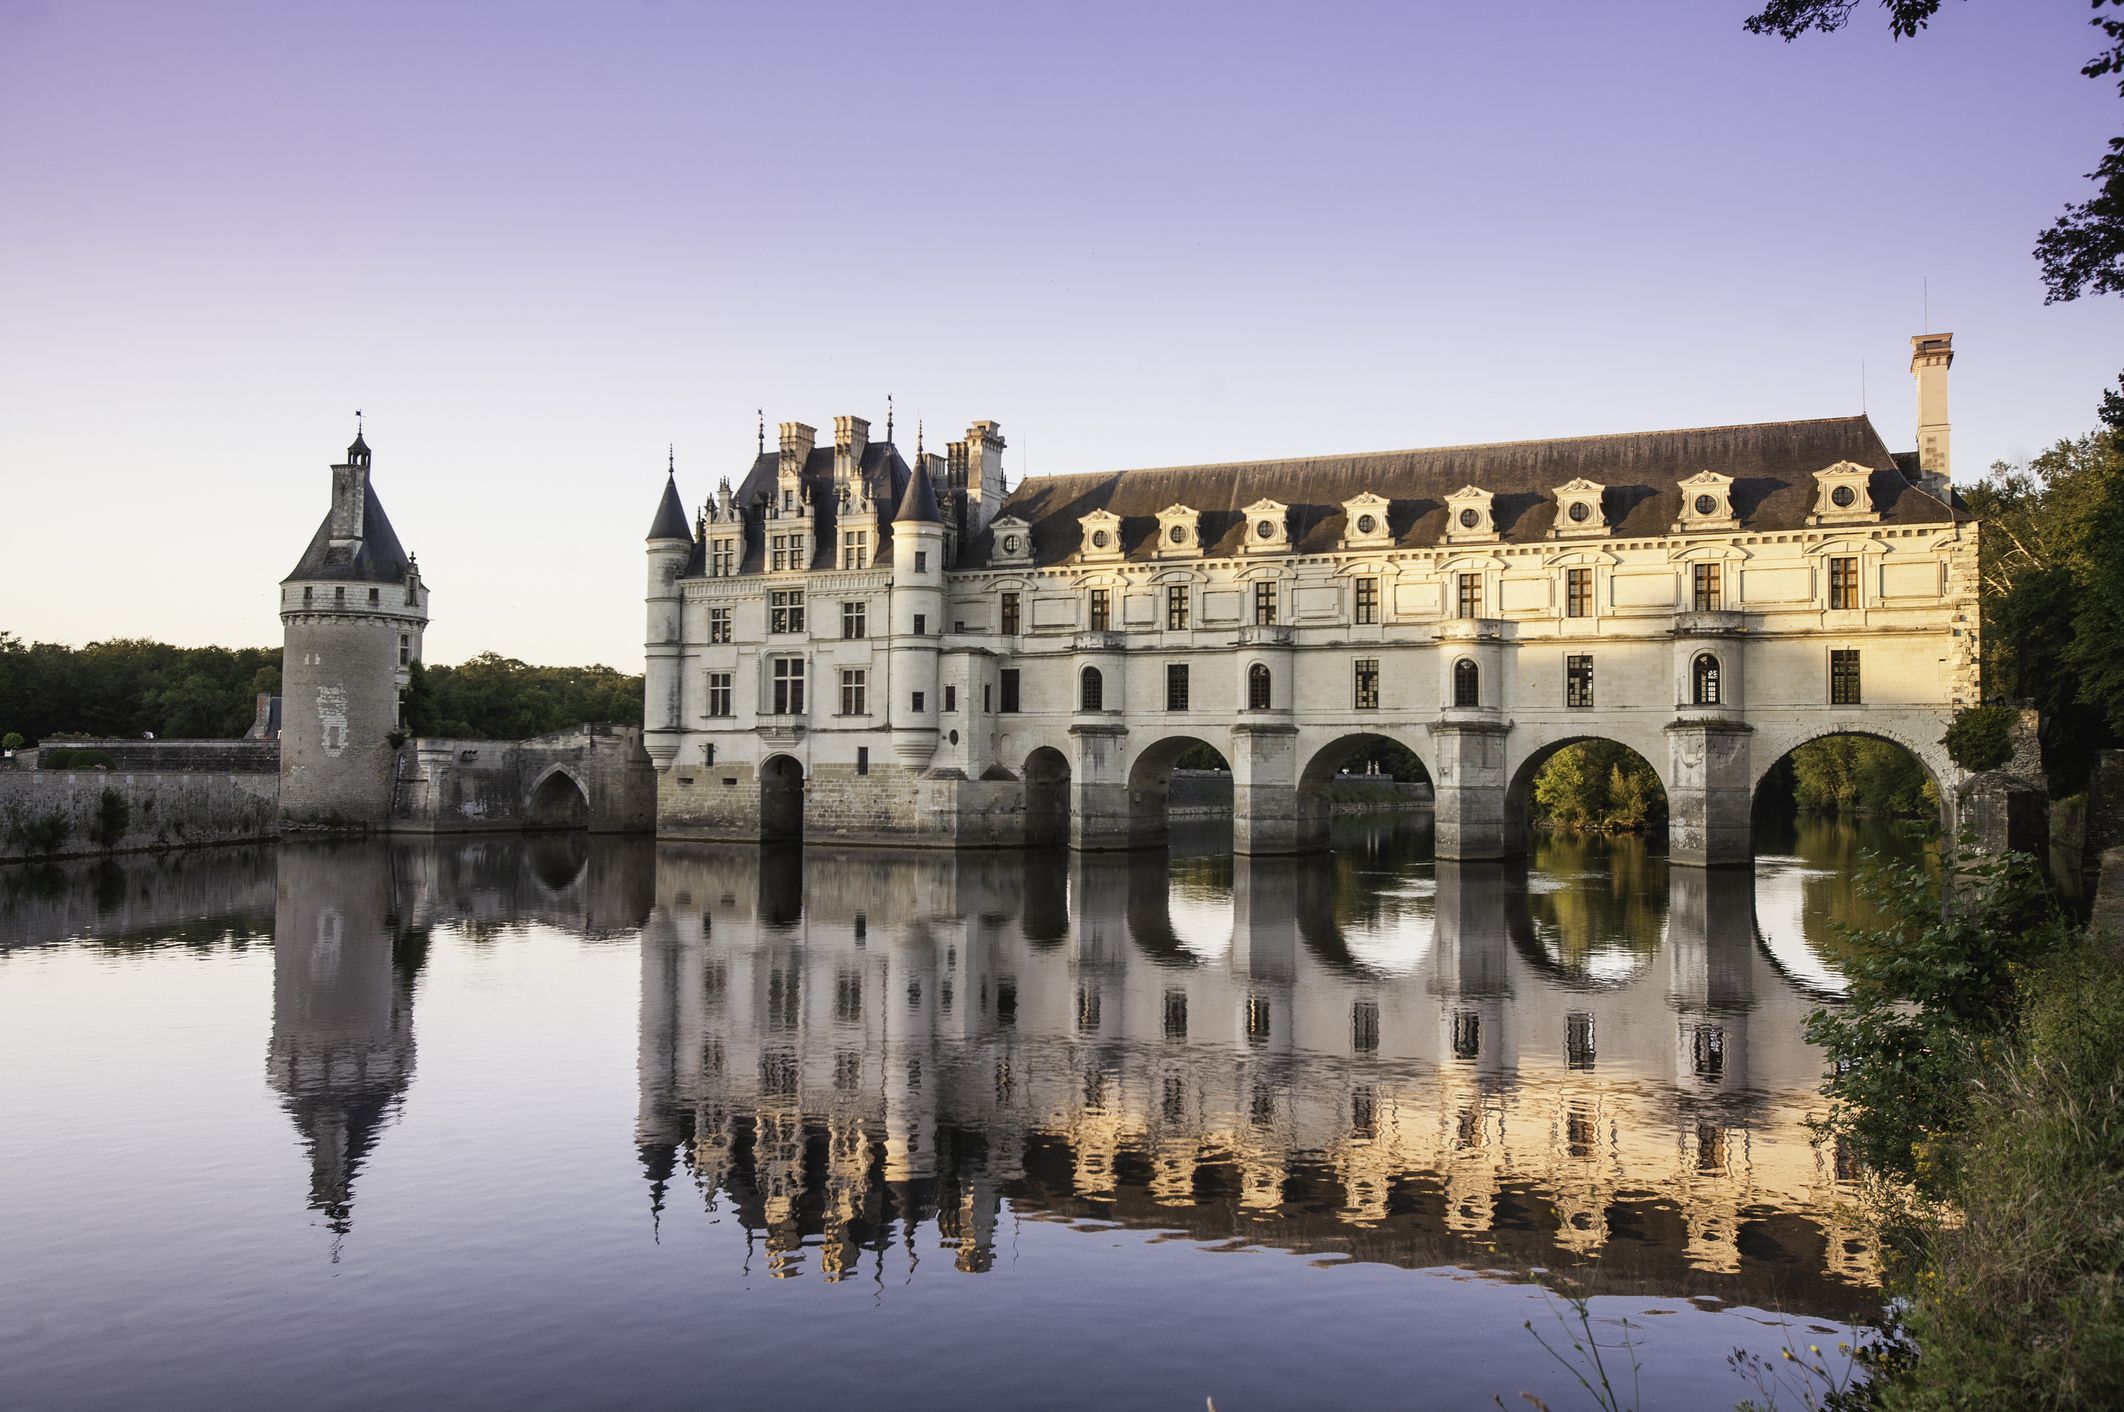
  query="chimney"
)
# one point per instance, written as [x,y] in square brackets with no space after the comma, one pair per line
[851,436]
[350,495]
[1931,355]
[984,471]
[797,441]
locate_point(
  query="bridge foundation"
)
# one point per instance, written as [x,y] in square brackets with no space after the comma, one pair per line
[1469,811]
[1265,807]
[1710,792]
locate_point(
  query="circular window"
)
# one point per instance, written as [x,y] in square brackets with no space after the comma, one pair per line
[1177,534]
[1580,511]
[1842,497]
[1706,505]
[1010,544]
[1366,524]
[1469,519]
[1266,529]
[1098,539]
[954,737]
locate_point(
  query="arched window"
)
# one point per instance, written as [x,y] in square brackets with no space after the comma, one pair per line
[1703,680]
[1467,683]
[1257,687]
[1091,690]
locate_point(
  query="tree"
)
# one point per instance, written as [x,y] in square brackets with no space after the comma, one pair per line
[2083,252]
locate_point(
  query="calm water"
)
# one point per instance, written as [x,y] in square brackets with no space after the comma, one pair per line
[567,1122]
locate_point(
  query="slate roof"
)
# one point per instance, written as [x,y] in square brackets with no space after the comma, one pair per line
[882,472]
[1772,465]
[918,506]
[379,558]
[670,515]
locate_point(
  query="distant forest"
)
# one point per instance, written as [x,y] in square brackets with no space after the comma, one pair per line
[126,688]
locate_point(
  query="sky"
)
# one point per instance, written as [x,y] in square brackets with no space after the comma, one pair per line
[542,246]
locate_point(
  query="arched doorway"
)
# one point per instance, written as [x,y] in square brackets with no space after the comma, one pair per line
[558,803]
[1046,798]
[1358,769]
[1585,785]
[1192,766]
[1823,794]
[781,800]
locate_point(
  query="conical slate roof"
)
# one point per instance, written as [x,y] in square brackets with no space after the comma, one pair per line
[670,515]
[378,558]
[919,504]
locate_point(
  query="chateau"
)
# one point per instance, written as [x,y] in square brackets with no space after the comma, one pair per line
[850,645]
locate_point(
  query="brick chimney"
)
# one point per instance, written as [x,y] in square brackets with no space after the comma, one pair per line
[984,472]
[1931,355]
[851,437]
[350,495]
[797,441]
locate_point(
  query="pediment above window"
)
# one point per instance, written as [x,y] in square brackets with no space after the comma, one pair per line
[1579,510]
[1268,527]
[1365,522]
[1468,515]
[1101,531]
[1843,495]
[1179,532]
[1012,543]
[1706,503]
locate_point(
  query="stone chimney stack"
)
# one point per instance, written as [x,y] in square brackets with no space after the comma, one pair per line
[797,441]
[1931,355]
[851,437]
[984,472]
[350,495]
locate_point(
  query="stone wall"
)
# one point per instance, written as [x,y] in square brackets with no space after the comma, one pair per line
[2105,804]
[169,756]
[484,786]
[63,813]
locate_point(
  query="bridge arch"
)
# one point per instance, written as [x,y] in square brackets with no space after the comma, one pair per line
[1522,773]
[1324,760]
[1046,777]
[1939,770]
[781,799]
[558,800]
[1150,779]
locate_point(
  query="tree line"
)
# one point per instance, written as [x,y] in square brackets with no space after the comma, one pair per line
[129,687]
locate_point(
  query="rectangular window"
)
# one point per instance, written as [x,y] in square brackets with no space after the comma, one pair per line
[921,561]
[306,596]
[1470,600]
[855,549]
[1578,681]
[375,597]
[1578,593]
[1265,603]
[339,595]
[405,650]
[855,692]
[1843,583]
[1176,686]
[1705,589]
[988,698]
[855,620]
[1010,689]
[862,768]
[1364,1026]
[722,559]
[789,686]
[1578,1040]
[719,624]
[1010,613]
[951,698]
[787,551]
[920,701]
[921,625]
[1102,609]
[719,693]
[1366,696]
[1176,605]
[1844,677]
[785,610]
[1366,607]
[1176,1014]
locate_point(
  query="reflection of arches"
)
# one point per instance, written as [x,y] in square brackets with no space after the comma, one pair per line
[781,799]
[558,802]
[557,860]
[1931,763]
[1315,797]
[1467,683]
[1046,797]
[1150,781]
[1091,690]
[1519,794]
[1704,680]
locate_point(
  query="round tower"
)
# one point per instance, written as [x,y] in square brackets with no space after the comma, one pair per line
[352,615]
[670,543]
[917,619]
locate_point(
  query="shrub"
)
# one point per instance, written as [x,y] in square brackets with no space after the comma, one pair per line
[44,834]
[113,817]
[73,759]
[1981,738]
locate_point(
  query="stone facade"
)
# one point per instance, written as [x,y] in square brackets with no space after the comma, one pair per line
[64,813]
[1710,598]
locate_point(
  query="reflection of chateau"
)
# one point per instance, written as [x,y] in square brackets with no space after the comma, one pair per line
[841,1047]
[351,933]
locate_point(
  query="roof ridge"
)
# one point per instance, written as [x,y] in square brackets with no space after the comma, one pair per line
[1456,446]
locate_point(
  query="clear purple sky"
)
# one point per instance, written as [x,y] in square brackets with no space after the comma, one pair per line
[538,242]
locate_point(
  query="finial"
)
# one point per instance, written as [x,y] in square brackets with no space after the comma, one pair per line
[763,430]
[888,416]
[671,458]
[918,441]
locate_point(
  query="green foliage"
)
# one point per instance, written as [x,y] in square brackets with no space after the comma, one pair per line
[492,697]
[68,758]
[1981,738]
[41,833]
[1599,786]
[12,741]
[114,815]
[1932,991]
[1856,774]
[1200,757]
[126,688]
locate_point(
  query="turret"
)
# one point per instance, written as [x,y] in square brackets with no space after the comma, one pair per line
[670,543]
[917,620]
[353,614]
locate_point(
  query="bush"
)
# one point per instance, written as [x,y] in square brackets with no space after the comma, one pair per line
[72,759]
[46,833]
[1981,739]
[113,817]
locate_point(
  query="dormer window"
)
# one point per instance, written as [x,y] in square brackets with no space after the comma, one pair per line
[1267,526]
[1707,503]
[1179,532]
[1012,542]
[1365,522]
[1843,495]
[1578,510]
[1102,535]
[1468,515]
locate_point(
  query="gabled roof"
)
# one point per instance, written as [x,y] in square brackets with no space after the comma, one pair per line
[670,520]
[1772,465]
[379,558]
